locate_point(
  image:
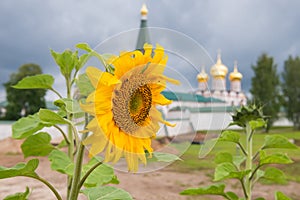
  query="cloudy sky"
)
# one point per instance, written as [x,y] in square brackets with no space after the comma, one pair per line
[241,29]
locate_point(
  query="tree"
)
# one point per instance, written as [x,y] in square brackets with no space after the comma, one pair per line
[291,89]
[23,102]
[265,87]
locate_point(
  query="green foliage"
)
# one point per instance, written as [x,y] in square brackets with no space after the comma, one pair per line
[25,102]
[84,85]
[223,157]
[102,175]
[40,81]
[265,87]
[101,57]
[66,61]
[216,189]
[51,117]
[61,162]
[273,175]
[280,196]
[290,88]
[278,141]
[37,145]
[27,126]
[21,169]
[106,193]
[228,170]
[71,106]
[230,136]
[19,195]
[275,158]
[245,167]
[247,114]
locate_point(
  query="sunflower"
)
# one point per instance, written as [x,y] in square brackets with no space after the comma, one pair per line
[124,105]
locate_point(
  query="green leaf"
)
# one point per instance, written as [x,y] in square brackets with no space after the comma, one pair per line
[101,58]
[232,196]
[40,81]
[238,160]
[103,174]
[18,196]
[223,157]
[259,173]
[258,123]
[274,175]
[280,196]
[20,169]
[106,193]
[228,170]
[82,60]
[230,136]
[260,198]
[278,141]
[69,105]
[27,126]
[37,145]
[84,85]
[51,117]
[66,61]
[215,189]
[61,162]
[164,157]
[84,46]
[276,158]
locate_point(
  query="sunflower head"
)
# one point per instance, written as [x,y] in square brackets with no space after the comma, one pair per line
[124,105]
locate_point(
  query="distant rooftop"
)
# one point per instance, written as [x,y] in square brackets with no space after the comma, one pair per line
[189,97]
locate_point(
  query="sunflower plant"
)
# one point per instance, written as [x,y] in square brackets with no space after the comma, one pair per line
[112,112]
[250,165]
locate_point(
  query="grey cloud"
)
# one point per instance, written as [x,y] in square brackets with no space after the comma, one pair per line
[242,29]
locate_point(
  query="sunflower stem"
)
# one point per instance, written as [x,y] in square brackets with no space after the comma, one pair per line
[78,166]
[248,179]
[70,137]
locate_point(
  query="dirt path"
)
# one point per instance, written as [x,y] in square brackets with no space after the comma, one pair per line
[164,184]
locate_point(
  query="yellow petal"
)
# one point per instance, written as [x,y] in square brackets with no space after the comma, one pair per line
[89,108]
[160,99]
[148,50]
[94,74]
[156,115]
[91,97]
[158,54]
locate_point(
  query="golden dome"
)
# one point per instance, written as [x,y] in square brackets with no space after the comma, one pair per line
[202,76]
[219,69]
[144,10]
[235,75]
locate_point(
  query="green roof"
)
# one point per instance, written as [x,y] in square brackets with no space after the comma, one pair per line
[144,36]
[189,97]
[205,109]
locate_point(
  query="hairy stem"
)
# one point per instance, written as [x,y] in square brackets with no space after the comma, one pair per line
[70,137]
[88,173]
[48,185]
[56,92]
[248,181]
[77,171]
[63,133]
[78,166]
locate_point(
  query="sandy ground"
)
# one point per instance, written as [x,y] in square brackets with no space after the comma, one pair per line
[164,184]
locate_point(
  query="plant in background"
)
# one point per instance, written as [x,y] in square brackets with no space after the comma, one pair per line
[251,165]
[123,120]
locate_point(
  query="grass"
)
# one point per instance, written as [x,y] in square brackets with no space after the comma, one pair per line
[192,162]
